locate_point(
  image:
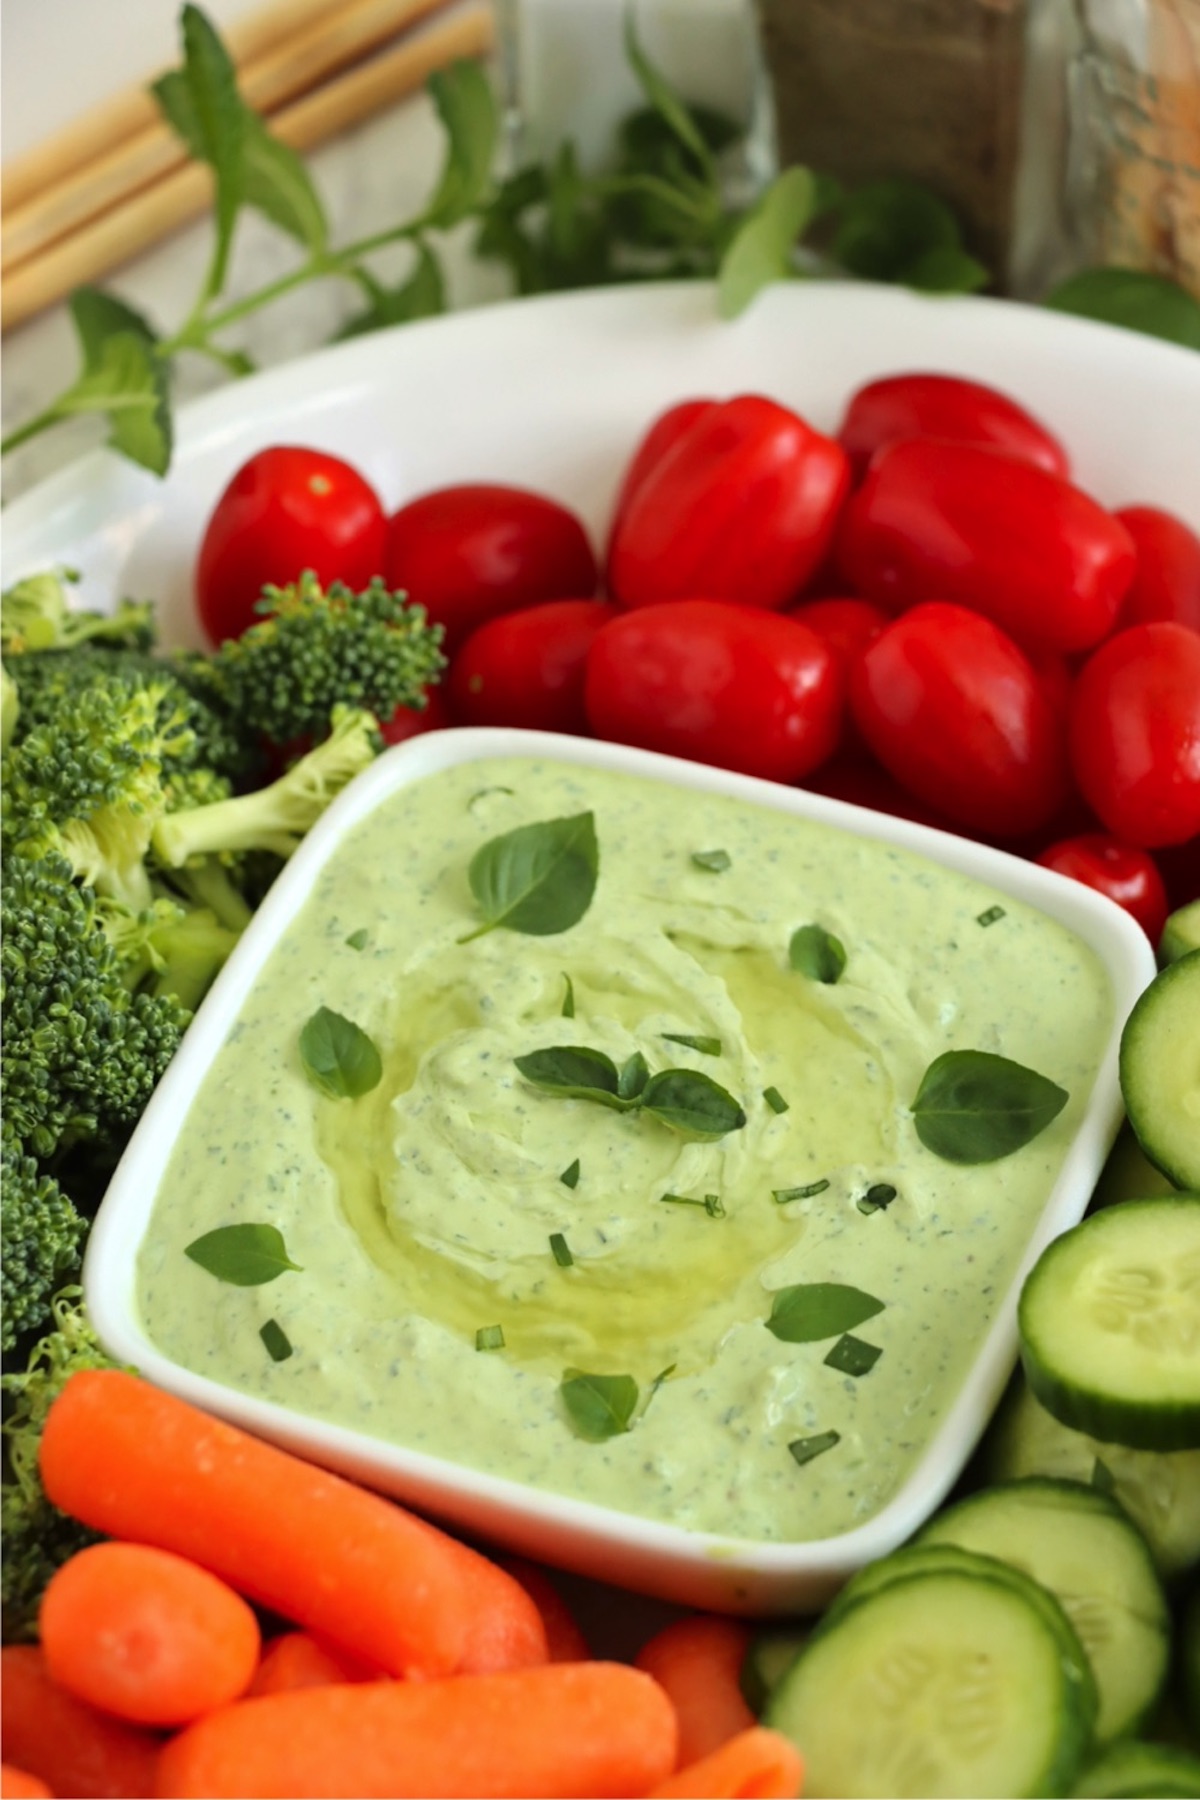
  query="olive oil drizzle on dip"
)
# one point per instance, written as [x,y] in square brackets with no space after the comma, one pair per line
[454,1198]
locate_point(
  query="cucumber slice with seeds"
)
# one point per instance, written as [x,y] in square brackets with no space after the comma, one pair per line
[1160,1070]
[1109,1322]
[1136,1771]
[938,1684]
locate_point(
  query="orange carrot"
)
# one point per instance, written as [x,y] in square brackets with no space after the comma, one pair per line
[296,1659]
[698,1660]
[64,1742]
[137,1463]
[755,1765]
[17,1784]
[565,1641]
[146,1635]
[504,1627]
[565,1730]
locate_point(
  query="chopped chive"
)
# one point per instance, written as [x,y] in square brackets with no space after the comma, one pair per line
[990,916]
[707,1046]
[775,1100]
[663,1375]
[568,1005]
[714,1206]
[358,939]
[876,1198]
[561,1249]
[276,1340]
[806,1448]
[711,1203]
[853,1356]
[570,1176]
[489,1337]
[782,1195]
[715,862]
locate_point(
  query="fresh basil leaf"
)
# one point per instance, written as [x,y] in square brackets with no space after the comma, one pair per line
[760,251]
[570,1175]
[818,1309]
[852,1356]
[243,1255]
[975,1107]
[338,1057]
[883,227]
[947,269]
[275,1338]
[598,1406]
[703,1046]
[466,105]
[635,1073]
[691,1103]
[202,104]
[421,296]
[816,953]
[663,98]
[714,861]
[125,380]
[574,1072]
[804,1449]
[538,879]
[278,185]
[1132,298]
[568,1005]
[877,1198]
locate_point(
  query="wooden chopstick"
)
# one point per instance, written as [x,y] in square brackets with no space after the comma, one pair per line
[119,161]
[184,192]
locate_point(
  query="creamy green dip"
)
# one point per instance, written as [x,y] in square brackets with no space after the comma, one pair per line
[423,1212]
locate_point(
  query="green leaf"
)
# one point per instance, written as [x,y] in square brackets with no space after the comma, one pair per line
[202,104]
[947,269]
[761,248]
[704,1046]
[538,879]
[338,1057]
[568,1005]
[877,1198]
[421,296]
[467,107]
[974,1107]
[635,1073]
[819,1309]
[1133,298]
[804,1449]
[574,1072]
[359,939]
[715,862]
[663,98]
[278,1344]
[852,1356]
[243,1255]
[570,1175]
[775,1100]
[816,953]
[598,1406]
[122,378]
[278,185]
[885,227]
[691,1103]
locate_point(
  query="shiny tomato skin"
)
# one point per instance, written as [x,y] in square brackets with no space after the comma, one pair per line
[959,522]
[738,687]
[958,714]
[289,508]
[413,721]
[944,406]
[1121,872]
[740,507]
[526,668]
[1166,583]
[847,625]
[1135,734]
[661,436]
[472,551]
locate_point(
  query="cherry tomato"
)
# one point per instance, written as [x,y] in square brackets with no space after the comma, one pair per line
[940,521]
[1166,584]
[740,506]
[526,668]
[736,686]
[1121,872]
[848,626]
[470,552]
[865,783]
[1135,734]
[286,510]
[944,406]
[956,711]
[413,721]
[663,435]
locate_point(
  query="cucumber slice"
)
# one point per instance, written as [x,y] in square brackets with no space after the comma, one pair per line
[1160,1070]
[1127,1175]
[939,1684]
[1160,1490]
[1181,933]
[1135,1771]
[1078,1543]
[769,1655]
[1109,1322]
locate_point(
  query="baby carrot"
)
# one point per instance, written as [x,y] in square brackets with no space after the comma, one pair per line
[755,1765]
[64,1742]
[505,1629]
[574,1731]
[140,1464]
[565,1641]
[698,1660]
[296,1659]
[16,1784]
[146,1635]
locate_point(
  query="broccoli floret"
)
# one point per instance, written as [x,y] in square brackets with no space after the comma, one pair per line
[38,1538]
[41,1242]
[208,883]
[274,818]
[10,708]
[314,649]
[169,949]
[36,614]
[80,1055]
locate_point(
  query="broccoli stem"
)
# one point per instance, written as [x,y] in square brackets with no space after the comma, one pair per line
[207,884]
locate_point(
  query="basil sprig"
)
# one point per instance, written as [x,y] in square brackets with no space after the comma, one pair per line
[975,1107]
[243,1255]
[816,953]
[684,1099]
[538,879]
[338,1057]
[812,1310]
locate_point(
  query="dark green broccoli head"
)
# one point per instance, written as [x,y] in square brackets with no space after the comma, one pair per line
[41,1242]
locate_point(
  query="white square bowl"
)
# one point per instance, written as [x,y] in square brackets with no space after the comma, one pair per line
[696,1568]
